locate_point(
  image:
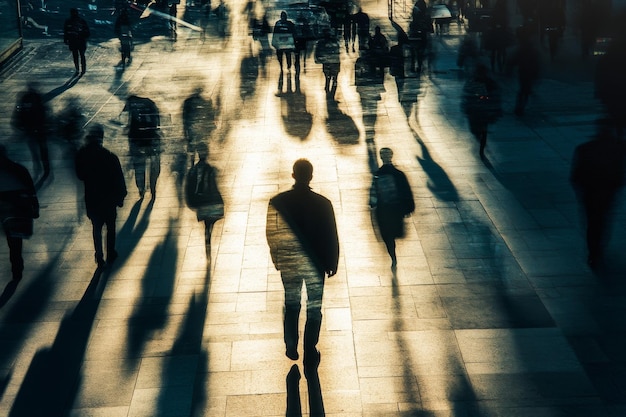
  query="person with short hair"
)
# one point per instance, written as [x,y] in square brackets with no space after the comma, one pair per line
[302,236]
[105,190]
[283,40]
[392,198]
[75,35]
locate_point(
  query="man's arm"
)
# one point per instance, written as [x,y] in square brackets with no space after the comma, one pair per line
[272,233]
[332,242]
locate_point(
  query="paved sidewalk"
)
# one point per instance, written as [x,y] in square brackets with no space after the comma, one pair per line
[491,312]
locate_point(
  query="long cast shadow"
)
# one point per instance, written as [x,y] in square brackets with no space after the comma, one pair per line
[438,181]
[52,380]
[314,388]
[150,314]
[130,233]
[296,118]
[61,89]
[192,372]
[339,125]
[26,311]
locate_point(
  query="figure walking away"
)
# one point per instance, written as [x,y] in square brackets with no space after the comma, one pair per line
[327,54]
[528,62]
[481,104]
[203,196]
[105,190]
[597,175]
[75,35]
[392,198]
[144,141]
[302,235]
[124,33]
[18,207]
[31,118]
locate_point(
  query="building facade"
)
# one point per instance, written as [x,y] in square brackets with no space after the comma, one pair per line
[10,29]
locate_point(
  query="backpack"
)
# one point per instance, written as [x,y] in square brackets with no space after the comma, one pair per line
[387,192]
[76,30]
[386,189]
[201,187]
[144,118]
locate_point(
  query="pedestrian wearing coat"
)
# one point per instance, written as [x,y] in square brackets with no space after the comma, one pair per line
[392,198]
[18,206]
[597,175]
[75,35]
[302,236]
[105,190]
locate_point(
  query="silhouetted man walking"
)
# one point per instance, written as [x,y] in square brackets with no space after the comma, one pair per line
[75,35]
[302,236]
[144,141]
[392,198]
[31,118]
[105,190]
[597,175]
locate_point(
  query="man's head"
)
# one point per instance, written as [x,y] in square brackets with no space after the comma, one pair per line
[283,16]
[385,155]
[95,134]
[302,171]
[73,12]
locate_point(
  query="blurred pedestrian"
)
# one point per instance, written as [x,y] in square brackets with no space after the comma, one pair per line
[498,37]
[173,12]
[283,40]
[302,33]
[468,56]
[392,198]
[379,51]
[31,118]
[420,28]
[144,140]
[481,103]
[348,33]
[203,196]
[75,35]
[597,175]
[18,207]
[221,11]
[528,62]
[123,31]
[327,54]
[610,82]
[362,22]
[302,235]
[70,121]
[105,190]
[198,121]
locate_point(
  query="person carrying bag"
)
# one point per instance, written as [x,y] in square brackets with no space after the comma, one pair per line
[203,196]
